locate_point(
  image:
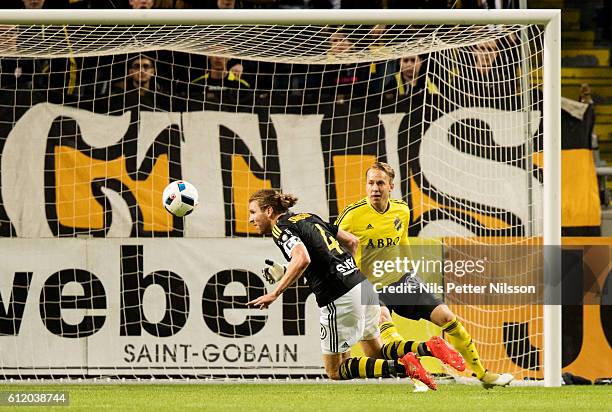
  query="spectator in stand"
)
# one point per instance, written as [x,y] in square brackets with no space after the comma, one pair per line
[485,55]
[140,75]
[264,71]
[407,90]
[585,94]
[220,4]
[218,84]
[380,71]
[236,66]
[183,4]
[345,82]
[226,4]
[163,64]
[22,73]
[10,69]
[489,76]
[410,82]
[493,76]
[139,88]
[141,4]
[33,4]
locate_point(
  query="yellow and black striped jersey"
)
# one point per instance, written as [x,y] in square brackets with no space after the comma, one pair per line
[332,271]
[379,234]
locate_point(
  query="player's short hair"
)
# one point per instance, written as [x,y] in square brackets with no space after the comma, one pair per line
[383,167]
[280,202]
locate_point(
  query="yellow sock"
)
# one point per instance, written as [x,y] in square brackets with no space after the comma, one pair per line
[389,333]
[462,341]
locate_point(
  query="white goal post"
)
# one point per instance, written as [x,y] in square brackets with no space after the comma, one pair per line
[112,40]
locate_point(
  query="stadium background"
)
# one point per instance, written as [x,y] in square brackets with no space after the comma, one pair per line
[587,329]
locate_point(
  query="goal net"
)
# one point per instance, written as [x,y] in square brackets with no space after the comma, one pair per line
[96,119]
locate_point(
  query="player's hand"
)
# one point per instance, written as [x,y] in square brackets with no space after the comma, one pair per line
[264,301]
[274,272]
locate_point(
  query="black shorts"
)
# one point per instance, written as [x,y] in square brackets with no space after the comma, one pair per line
[416,304]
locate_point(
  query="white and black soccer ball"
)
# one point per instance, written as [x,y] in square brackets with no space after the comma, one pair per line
[180,198]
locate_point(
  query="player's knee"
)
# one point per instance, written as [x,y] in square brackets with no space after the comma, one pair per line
[385,315]
[442,315]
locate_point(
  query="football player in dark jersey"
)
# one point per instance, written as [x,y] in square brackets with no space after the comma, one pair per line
[347,301]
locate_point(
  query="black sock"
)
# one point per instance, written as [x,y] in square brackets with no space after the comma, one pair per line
[423,350]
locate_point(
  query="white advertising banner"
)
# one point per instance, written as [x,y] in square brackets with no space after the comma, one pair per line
[186,314]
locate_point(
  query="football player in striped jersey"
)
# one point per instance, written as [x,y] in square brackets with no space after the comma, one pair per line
[348,303]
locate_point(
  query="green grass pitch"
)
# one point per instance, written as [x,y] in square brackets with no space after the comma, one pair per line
[321,397]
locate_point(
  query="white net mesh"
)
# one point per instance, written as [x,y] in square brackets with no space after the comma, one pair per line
[276,43]
[96,120]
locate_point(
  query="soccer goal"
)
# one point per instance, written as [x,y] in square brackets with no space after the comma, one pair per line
[100,110]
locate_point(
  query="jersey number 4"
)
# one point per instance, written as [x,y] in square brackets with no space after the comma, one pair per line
[330,241]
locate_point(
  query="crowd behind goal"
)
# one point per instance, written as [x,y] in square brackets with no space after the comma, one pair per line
[174,81]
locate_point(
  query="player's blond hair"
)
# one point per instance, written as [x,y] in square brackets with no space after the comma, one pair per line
[383,167]
[279,202]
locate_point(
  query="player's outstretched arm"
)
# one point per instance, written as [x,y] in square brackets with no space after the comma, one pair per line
[349,240]
[300,259]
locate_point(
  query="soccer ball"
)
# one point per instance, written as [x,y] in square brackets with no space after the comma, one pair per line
[180,198]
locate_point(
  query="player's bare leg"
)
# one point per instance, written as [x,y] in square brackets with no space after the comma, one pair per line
[371,347]
[459,337]
[332,362]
